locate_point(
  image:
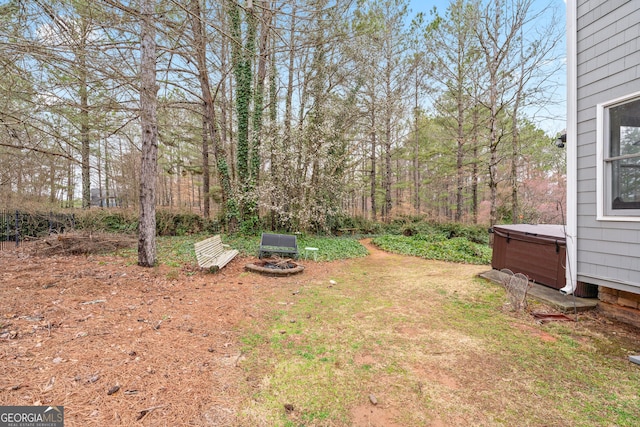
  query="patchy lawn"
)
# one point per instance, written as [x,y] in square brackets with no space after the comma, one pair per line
[386,340]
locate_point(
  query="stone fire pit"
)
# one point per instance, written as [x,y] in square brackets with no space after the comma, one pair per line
[275,267]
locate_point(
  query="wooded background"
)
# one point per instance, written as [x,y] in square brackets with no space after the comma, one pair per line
[291,114]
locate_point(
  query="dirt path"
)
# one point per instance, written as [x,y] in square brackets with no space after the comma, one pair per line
[375,254]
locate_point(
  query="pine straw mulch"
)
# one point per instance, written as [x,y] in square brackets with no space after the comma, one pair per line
[75,243]
[122,345]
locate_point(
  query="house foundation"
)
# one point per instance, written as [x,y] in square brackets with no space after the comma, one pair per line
[620,305]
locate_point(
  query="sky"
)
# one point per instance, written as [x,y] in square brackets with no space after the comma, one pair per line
[553,118]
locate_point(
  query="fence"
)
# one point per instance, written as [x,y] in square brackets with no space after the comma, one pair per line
[16,226]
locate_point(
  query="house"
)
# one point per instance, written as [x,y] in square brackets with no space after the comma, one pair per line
[603,152]
[97,199]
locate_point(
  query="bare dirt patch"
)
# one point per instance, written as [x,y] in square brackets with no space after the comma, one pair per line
[543,336]
[374,416]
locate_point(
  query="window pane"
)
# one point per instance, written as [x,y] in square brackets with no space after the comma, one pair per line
[624,140]
[625,176]
[629,140]
[624,129]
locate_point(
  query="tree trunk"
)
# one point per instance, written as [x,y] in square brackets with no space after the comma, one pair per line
[515,135]
[387,144]
[372,173]
[242,69]
[474,168]
[209,116]
[416,150]
[70,184]
[515,152]
[149,163]
[289,95]
[52,180]
[99,173]
[84,131]
[205,165]
[459,158]
[493,150]
[258,100]
[107,181]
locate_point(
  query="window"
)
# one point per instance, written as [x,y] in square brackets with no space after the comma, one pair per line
[620,132]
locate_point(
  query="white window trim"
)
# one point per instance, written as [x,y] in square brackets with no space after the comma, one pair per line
[601,192]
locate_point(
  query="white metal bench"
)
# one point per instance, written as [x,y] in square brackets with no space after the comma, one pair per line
[212,253]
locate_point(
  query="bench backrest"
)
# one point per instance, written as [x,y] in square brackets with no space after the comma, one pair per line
[208,249]
[279,240]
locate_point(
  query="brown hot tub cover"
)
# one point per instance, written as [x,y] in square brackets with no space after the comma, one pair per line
[539,251]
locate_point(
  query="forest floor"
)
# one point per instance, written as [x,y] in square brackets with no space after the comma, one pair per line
[117,344]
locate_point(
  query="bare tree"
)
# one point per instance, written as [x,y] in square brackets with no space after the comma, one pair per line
[451,41]
[383,59]
[536,52]
[497,28]
[509,69]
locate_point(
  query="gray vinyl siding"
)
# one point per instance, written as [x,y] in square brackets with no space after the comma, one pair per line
[608,67]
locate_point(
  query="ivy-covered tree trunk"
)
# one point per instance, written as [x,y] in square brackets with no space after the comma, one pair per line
[273,116]
[258,107]
[258,99]
[242,57]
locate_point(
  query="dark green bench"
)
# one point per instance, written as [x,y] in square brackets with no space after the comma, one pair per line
[278,244]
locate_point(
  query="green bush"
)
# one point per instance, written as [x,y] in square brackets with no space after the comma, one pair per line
[168,223]
[419,226]
[473,233]
[182,224]
[360,224]
[112,221]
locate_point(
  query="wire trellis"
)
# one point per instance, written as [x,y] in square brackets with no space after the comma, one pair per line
[517,285]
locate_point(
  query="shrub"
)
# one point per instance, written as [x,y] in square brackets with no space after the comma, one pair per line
[473,233]
[113,221]
[168,223]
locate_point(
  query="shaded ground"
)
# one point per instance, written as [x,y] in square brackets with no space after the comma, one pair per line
[118,344]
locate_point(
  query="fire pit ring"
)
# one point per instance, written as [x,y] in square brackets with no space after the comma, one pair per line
[275,267]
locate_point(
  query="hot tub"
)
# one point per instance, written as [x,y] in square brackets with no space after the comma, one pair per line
[539,251]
